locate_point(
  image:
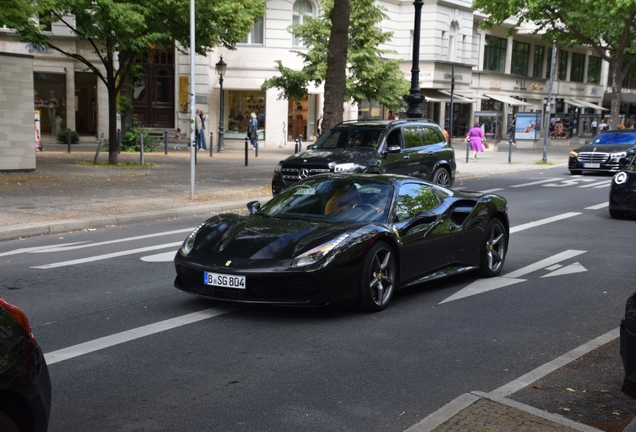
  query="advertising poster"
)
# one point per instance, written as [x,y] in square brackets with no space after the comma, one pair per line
[36,129]
[527,126]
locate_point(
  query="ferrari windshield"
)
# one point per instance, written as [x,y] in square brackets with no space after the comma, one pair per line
[341,200]
[611,138]
[363,138]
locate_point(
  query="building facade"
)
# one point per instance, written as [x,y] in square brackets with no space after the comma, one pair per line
[497,75]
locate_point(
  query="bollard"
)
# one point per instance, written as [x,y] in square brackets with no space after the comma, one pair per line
[300,143]
[99,148]
[467,151]
[141,148]
[165,141]
[256,149]
[296,147]
[211,144]
[510,149]
[246,151]
[68,139]
[118,141]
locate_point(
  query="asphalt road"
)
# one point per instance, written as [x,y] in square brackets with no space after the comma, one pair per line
[128,352]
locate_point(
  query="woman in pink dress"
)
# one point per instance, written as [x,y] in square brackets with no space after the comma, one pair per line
[476,136]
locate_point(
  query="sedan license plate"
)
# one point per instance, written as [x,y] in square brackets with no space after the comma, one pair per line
[591,165]
[223,280]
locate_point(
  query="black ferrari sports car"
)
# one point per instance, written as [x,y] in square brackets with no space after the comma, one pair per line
[628,339]
[622,196]
[334,237]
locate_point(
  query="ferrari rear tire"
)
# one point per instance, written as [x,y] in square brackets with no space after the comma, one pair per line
[493,252]
[378,278]
[7,424]
[441,177]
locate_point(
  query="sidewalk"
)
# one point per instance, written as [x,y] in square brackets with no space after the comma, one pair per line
[68,192]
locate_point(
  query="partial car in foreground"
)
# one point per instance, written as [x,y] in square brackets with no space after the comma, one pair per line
[628,339]
[413,147]
[25,385]
[602,153]
[335,237]
[622,196]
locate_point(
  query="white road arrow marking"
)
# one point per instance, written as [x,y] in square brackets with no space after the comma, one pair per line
[572,268]
[542,222]
[598,206]
[537,182]
[484,285]
[162,257]
[570,182]
[598,185]
[36,249]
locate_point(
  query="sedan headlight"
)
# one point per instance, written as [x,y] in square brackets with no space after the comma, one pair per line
[317,253]
[620,178]
[278,168]
[348,167]
[618,155]
[188,244]
[574,153]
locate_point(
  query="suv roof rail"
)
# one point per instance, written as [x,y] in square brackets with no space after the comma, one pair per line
[370,120]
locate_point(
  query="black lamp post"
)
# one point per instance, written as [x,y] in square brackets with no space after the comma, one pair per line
[415,98]
[220,69]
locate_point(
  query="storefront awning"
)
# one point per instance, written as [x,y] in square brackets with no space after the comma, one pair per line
[465,95]
[587,104]
[574,102]
[507,99]
[628,98]
[441,96]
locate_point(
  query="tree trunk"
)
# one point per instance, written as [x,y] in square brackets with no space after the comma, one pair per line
[617,87]
[127,115]
[336,78]
[112,123]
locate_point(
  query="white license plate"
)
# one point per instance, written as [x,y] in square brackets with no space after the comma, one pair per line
[591,165]
[223,280]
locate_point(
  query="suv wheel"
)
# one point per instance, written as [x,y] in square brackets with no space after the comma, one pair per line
[441,177]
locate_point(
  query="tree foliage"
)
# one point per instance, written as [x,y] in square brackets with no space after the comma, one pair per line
[369,75]
[120,30]
[607,27]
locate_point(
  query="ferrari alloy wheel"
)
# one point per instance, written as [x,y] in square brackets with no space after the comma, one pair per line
[378,278]
[442,177]
[493,253]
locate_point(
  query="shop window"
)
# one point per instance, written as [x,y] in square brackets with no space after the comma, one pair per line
[594,70]
[495,54]
[369,110]
[520,58]
[563,65]
[576,71]
[50,100]
[537,67]
[255,37]
[302,9]
[241,105]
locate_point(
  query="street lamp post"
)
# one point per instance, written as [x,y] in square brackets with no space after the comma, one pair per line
[415,98]
[221,66]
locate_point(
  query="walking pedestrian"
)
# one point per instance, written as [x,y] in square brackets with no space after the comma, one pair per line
[319,126]
[594,126]
[252,131]
[476,137]
[178,137]
[511,130]
[201,118]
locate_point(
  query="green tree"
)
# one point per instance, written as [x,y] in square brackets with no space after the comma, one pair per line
[607,27]
[120,30]
[14,12]
[336,42]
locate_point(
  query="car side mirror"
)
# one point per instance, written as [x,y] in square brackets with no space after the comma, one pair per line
[587,141]
[394,149]
[310,147]
[253,207]
[423,217]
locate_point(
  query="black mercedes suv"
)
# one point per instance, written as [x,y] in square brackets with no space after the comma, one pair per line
[413,147]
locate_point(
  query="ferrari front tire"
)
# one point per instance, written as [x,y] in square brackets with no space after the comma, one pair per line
[493,252]
[378,278]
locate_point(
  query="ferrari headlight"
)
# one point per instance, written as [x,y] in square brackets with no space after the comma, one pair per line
[574,153]
[347,167]
[620,178]
[317,253]
[188,244]
[618,155]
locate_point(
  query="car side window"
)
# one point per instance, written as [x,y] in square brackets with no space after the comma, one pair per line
[412,136]
[434,135]
[414,198]
[393,139]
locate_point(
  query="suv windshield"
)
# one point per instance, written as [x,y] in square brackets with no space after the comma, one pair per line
[350,138]
[615,138]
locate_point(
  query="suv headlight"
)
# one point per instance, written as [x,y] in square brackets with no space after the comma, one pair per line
[347,167]
[279,167]
[316,254]
[620,178]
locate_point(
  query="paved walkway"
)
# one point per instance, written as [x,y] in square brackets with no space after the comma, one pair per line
[68,192]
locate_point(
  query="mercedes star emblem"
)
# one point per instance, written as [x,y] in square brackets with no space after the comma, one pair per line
[303,173]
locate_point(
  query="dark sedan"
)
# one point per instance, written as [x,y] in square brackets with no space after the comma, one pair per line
[622,196]
[334,237]
[25,386]
[603,152]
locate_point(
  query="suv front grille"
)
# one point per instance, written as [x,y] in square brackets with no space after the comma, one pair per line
[593,157]
[295,174]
